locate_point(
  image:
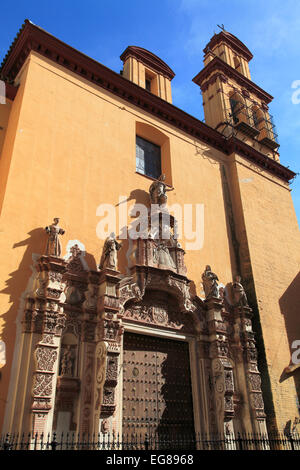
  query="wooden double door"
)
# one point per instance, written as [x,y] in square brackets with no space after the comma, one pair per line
[157,394]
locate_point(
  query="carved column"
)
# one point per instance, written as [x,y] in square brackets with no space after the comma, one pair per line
[109,340]
[44,320]
[142,248]
[76,333]
[101,336]
[145,251]
[206,391]
[89,325]
[178,256]
[253,379]
[222,383]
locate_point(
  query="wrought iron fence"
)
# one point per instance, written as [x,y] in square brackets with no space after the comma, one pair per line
[115,442]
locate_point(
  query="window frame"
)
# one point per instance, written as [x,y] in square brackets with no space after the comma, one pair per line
[148,84]
[147,166]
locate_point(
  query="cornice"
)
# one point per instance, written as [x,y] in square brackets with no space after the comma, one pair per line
[33,38]
[238,146]
[218,64]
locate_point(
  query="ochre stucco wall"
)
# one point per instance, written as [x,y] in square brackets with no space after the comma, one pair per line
[71,147]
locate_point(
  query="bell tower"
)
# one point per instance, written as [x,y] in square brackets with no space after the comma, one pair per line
[233,104]
[145,69]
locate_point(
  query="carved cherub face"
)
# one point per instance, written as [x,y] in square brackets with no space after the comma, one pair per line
[56,220]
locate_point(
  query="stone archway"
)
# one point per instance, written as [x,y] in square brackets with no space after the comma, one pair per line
[157,384]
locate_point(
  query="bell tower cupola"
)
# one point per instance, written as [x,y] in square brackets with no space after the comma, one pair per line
[233,104]
[231,50]
[148,71]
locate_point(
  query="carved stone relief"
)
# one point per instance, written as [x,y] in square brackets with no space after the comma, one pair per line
[42,385]
[46,358]
[158,313]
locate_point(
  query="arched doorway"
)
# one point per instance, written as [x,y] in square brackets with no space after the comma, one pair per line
[157,392]
[157,386]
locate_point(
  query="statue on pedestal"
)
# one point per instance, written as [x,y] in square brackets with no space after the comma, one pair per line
[162,255]
[239,294]
[109,254]
[210,284]
[53,247]
[158,191]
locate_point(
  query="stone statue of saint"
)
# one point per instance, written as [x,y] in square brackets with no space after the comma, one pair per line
[67,361]
[53,244]
[109,254]
[104,426]
[210,284]
[158,190]
[239,294]
[162,256]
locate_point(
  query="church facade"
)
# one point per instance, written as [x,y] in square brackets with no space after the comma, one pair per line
[163,296]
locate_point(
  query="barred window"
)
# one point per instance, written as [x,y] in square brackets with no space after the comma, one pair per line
[148,158]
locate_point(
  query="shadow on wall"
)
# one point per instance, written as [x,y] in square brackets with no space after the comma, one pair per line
[91,261]
[15,287]
[140,197]
[289,306]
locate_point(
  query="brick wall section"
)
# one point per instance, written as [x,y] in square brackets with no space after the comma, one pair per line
[274,246]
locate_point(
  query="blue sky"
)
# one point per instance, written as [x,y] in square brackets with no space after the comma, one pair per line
[177,31]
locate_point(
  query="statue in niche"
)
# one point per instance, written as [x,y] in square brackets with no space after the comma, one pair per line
[162,256]
[210,283]
[158,190]
[67,362]
[239,294]
[104,426]
[109,254]
[53,244]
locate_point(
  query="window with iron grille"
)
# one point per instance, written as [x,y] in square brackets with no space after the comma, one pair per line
[148,158]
